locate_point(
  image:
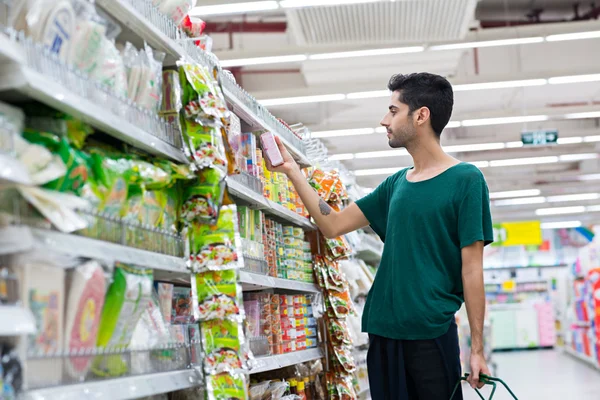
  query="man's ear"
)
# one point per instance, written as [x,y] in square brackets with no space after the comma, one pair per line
[423,115]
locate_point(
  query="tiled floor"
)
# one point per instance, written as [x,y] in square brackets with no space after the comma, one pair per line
[543,375]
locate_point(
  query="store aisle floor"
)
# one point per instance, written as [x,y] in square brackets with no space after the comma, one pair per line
[543,374]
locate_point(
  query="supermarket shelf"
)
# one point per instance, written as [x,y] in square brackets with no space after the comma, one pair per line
[15,321]
[518,291]
[263,364]
[127,15]
[241,110]
[582,357]
[9,51]
[12,171]
[581,324]
[26,238]
[253,281]
[280,212]
[132,387]
[526,267]
[239,191]
[39,87]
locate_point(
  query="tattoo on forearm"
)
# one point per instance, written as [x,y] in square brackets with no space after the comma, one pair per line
[324,207]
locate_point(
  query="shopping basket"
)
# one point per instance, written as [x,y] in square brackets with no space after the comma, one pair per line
[488,380]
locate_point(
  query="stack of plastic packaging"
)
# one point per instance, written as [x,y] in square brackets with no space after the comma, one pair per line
[336,294]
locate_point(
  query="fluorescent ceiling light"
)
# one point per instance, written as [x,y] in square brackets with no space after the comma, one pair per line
[593,114]
[593,208]
[343,132]
[480,164]
[262,60]
[570,140]
[561,224]
[524,200]
[453,124]
[560,210]
[341,157]
[504,120]
[312,3]
[524,161]
[487,43]
[381,129]
[366,53]
[376,171]
[573,36]
[589,177]
[515,193]
[514,145]
[473,147]
[302,100]
[381,154]
[368,95]
[573,197]
[557,80]
[578,157]
[589,139]
[235,8]
[499,85]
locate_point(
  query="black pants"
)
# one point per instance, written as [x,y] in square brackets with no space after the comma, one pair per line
[414,369]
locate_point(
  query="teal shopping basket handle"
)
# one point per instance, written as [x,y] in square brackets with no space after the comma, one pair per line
[487,380]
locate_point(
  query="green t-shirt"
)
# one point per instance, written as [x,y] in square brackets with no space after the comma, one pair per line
[424,225]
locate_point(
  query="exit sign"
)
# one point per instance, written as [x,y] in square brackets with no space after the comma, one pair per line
[539,138]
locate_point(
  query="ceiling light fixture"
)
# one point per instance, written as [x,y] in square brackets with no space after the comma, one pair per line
[487,43]
[480,164]
[312,3]
[504,120]
[589,177]
[366,53]
[453,124]
[590,139]
[573,197]
[262,60]
[514,145]
[341,157]
[302,100]
[561,224]
[524,200]
[595,208]
[236,8]
[558,80]
[578,157]
[473,147]
[524,161]
[593,114]
[368,95]
[382,154]
[515,193]
[560,210]
[573,36]
[376,171]
[570,140]
[499,85]
[343,132]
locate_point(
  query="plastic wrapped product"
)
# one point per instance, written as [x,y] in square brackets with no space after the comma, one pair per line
[223,343]
[202,95]
[125,302]
[219,296]
[150,88]
[165,298]
[111,69]
[177,10]
[218,247]
[83,309]
[182,306]
[133,69]
[204,144]
[202,199]
[270,148]
[171,92]
[226,387]
[87,41]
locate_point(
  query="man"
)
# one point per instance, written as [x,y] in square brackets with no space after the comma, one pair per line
[434,219]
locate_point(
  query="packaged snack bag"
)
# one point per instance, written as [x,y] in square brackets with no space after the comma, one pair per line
[222,341]
[219,296]
[227,387]
[202,198]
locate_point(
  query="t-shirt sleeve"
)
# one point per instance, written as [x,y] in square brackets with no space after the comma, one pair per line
[375,207]
[474,216]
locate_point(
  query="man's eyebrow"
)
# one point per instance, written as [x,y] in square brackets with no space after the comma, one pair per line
[392,107]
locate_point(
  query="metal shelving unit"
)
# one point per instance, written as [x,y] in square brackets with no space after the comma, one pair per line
[263,364]
[14,239]
[582,357]
[253,281]
[132,387]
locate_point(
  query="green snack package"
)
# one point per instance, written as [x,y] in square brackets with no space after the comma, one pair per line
[177,172]
[112,182]
[125,301]
[148,175]
[202,95]
[216,247]
[202,199]
[153,206]
[227,387]
[74,160]
[204,144]
[172,210]
[222,341]
[219,296]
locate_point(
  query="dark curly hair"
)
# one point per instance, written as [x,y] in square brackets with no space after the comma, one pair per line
[426,90]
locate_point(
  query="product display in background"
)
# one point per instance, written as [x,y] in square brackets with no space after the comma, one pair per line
[301,381]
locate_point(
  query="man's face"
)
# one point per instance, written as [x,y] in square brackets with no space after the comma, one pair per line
[398,122]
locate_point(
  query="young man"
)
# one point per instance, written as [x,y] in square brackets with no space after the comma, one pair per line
[434,219]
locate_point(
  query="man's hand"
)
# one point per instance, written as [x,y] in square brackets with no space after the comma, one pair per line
[288,166]
[478,365]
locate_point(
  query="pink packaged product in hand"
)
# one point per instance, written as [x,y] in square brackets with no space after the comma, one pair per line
[270,148]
